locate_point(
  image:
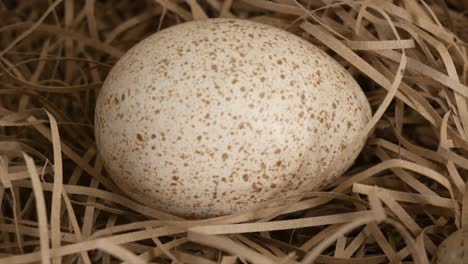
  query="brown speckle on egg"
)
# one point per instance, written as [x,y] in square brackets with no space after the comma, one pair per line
[261,109]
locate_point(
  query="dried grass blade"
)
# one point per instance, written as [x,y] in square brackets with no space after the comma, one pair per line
[75,189]
[155,252]
[91,244]
[226,244]
[464,217]
[197,11]
[41,210]
[32,28]
[170,5]
[57,187]
[315,253]
[189,258]
[119,251]
[281,225]
[74,223]
[56,30]
[407,197]
[276,7]
[380,45]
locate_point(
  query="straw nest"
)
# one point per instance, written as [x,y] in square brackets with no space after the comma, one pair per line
[406,192]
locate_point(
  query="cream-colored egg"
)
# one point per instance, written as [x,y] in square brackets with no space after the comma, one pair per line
[212,117]
[454,249]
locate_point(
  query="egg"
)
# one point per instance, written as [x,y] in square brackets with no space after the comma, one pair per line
[218,116]
[454,249]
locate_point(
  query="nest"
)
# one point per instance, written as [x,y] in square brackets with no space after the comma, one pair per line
[406,192]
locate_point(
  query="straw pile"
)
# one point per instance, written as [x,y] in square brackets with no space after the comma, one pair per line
[407,191]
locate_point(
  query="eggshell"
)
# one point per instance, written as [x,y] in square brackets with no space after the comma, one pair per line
[454,249]
[211,117]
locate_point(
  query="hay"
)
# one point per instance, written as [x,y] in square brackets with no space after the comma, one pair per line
[406,192]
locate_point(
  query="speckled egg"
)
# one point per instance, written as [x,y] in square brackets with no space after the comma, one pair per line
[454,249]
[212,117]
